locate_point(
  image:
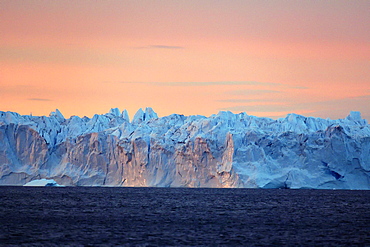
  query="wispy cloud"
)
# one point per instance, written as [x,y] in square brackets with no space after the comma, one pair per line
[166,47]
[226,83]
[252,92]
[60,55]
[219,83]
[208,83]
[281,100]
[39,99]
[299,87]
[17,88]
[160,47]
[259,108]
[242,100]
[333,109]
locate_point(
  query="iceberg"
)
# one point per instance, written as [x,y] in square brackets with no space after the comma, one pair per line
[224,150]
[43,182]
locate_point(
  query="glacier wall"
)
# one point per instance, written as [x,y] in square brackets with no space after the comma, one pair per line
[223,150]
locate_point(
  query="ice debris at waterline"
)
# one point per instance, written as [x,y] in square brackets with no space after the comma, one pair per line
[43,182]
[223,150]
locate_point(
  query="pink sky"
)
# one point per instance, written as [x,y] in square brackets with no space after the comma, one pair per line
[267,58]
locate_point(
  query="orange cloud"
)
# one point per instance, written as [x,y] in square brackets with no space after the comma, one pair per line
[189,57]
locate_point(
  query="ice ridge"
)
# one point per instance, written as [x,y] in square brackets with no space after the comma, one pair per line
[222,150]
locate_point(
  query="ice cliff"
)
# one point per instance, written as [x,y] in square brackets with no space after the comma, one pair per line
[223,150]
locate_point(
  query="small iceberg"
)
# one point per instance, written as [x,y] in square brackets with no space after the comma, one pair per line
[43,182]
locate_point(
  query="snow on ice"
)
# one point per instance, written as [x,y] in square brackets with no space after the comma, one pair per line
[223,150]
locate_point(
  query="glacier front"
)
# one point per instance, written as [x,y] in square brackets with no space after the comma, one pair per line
[224,150]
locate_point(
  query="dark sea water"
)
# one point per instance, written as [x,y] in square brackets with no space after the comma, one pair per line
[90,216]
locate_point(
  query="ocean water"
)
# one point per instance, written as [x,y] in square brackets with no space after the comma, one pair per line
[96,216]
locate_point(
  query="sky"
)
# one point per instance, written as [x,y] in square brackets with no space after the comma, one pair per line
[265,58]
